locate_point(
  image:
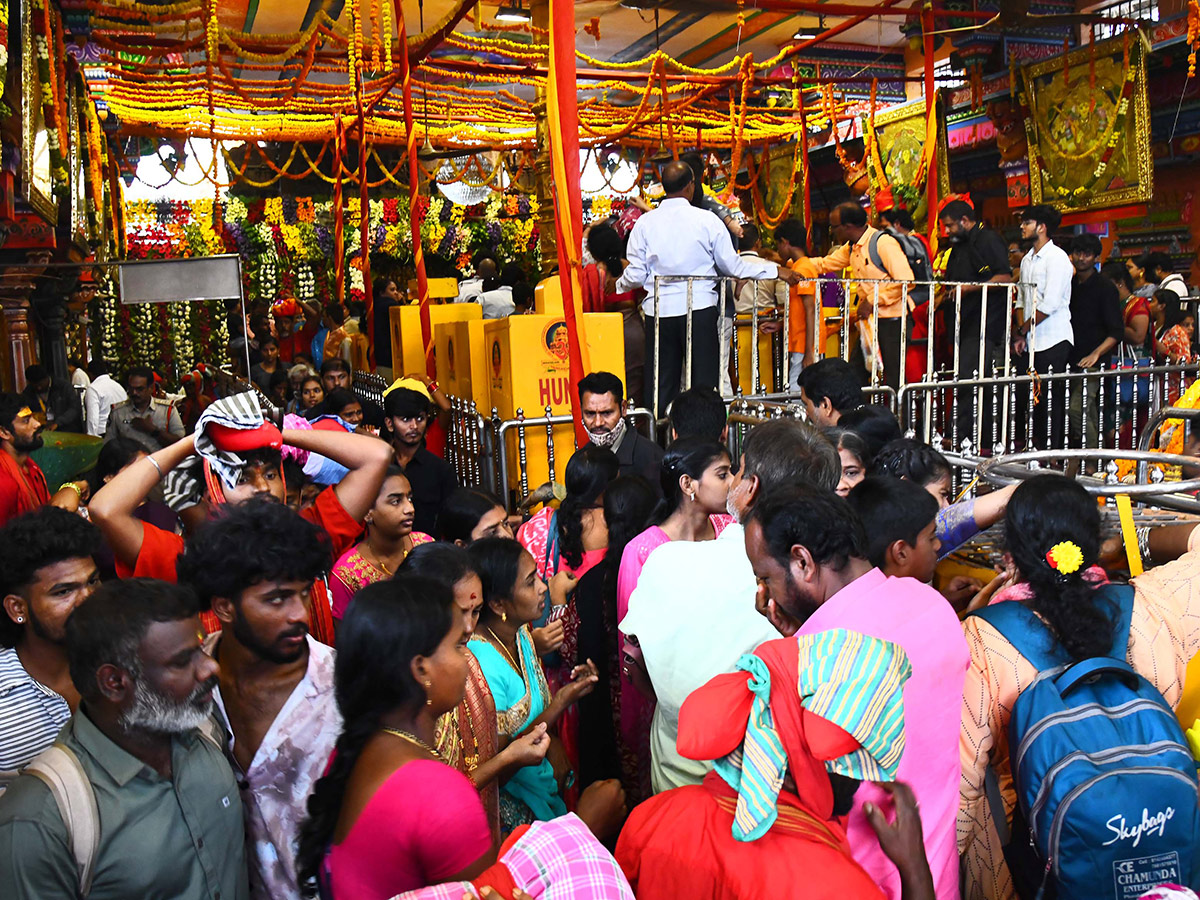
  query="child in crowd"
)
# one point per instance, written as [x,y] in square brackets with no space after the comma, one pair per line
[900,521]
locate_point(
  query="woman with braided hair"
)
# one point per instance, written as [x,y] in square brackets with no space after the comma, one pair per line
[1052,528]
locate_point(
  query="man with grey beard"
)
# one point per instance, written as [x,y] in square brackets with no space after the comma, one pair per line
[692,612]
[167,805]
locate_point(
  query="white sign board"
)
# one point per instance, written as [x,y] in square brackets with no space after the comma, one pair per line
[170,280]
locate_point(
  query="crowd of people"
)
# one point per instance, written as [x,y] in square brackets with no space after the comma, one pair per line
[255,661]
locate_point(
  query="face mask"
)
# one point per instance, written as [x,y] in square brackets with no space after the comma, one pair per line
[608,439]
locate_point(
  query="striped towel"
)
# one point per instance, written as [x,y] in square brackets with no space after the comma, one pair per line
[756,770]
[235,411]
[852,680]
[856,682]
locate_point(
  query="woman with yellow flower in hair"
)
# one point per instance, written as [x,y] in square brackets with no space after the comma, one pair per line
[1053,536]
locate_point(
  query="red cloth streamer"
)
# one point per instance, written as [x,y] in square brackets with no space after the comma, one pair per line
[562,127]
[804,192]
[339,221]
[414,181]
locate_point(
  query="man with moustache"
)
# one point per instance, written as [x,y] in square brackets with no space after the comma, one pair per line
[808,552]
[48,571]
[167,810]
[407,406]
[255,566]
[603,407]
[22,484]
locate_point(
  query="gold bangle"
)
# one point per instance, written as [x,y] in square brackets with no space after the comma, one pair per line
[73,486]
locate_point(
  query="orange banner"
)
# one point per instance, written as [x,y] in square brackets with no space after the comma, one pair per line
[562,126]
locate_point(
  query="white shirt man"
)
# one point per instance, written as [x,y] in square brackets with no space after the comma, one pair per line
[678,238]
[1046,274]
[98,400]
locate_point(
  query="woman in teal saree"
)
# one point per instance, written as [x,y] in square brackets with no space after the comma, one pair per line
[514,596]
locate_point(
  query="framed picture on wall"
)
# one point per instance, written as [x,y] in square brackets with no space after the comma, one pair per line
[1088,123]
[37,185]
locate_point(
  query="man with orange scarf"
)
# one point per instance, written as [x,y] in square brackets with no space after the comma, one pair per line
[792,733]
[22,484]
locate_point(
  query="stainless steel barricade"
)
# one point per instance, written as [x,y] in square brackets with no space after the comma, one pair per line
[477,447]
[852,341]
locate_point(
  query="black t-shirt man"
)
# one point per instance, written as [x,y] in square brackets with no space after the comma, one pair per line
[979,257]
[1096,314]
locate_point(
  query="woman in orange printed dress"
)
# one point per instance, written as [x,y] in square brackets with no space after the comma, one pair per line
[1164,635]
[388,540]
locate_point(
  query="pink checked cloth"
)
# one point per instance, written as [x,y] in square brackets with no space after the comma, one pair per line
[555,860]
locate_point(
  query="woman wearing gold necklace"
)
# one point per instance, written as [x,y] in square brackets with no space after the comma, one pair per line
[514,596]
[467,737]
[389,539]
[390,816]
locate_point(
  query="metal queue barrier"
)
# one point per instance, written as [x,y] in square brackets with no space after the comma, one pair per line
[477,446]
[950,297]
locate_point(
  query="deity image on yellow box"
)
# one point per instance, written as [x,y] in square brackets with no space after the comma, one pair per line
[1088,124]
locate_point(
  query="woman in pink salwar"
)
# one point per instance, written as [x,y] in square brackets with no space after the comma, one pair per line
[695,480]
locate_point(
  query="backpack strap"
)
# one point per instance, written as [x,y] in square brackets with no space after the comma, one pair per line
[1122,596]
[873,251]
[60,770]
[1021,627]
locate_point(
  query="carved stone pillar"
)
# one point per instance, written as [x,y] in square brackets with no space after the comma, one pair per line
[18,343]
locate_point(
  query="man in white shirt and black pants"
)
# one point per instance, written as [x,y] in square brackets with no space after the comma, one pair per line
[1045,332]
[680,239]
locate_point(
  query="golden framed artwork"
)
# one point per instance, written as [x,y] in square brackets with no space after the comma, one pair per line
[1088,123]
[37,187]
[900,132]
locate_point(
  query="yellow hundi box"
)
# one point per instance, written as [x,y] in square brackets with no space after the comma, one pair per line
[462,365]
[408,353]
[745,358]
[528,370]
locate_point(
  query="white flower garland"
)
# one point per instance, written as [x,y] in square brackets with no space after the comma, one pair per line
[179,316]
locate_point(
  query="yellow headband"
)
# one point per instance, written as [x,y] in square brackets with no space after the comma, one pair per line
[410,384]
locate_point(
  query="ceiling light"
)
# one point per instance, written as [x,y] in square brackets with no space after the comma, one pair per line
[514,13]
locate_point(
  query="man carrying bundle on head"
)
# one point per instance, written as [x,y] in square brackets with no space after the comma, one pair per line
[242,460]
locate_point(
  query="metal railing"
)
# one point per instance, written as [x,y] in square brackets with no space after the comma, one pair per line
[478,447]
[903,295]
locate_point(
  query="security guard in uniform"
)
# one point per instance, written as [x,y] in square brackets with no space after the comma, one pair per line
[151,422]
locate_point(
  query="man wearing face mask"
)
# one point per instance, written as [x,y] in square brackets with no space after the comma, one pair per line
[167,813]
[603,408]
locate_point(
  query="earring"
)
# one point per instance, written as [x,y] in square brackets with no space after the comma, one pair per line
[503,616]
[692,497]
[20,619]
[428,685]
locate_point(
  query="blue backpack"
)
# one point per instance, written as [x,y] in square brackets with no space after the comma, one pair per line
[1105,783]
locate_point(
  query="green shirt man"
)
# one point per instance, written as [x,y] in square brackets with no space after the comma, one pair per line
[179,837]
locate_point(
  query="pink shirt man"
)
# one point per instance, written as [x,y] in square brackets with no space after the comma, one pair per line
[918,618]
